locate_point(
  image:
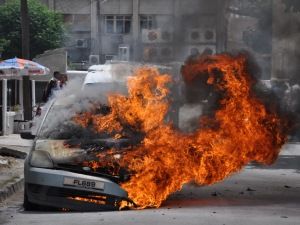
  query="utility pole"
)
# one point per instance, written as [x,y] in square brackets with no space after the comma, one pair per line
[25,29]
[26,84]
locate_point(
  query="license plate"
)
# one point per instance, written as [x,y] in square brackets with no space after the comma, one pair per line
[87,184]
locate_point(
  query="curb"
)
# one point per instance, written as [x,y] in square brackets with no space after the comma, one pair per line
[16,184]
[12,152]
[11,189]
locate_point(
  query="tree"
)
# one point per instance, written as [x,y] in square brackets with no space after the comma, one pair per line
[46,29]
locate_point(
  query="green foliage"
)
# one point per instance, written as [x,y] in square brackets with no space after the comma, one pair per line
[46,29]
[3,44]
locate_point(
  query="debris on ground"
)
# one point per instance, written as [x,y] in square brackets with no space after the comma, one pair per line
[3,162]
[214,194]
[10,169]
[249,189]
[6,162]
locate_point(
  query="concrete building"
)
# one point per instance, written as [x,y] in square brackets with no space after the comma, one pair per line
[286,40]
[141,30]
[152,31]
[250,29]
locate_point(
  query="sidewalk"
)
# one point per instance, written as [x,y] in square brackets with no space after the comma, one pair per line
[13,150]
[15,142]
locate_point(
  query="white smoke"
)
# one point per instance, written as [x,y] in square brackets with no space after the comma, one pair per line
[77,97]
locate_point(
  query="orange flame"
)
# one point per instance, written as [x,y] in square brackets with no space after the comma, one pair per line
[241,131]
[90,200]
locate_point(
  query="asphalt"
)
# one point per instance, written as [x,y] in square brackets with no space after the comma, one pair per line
[258,195]
[13,150]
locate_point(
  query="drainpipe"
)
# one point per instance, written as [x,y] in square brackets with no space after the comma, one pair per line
[95,27]
[33,93]
[135,28]
[21,97]
[4,106]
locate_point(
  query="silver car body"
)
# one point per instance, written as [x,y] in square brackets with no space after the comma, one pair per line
[48,187]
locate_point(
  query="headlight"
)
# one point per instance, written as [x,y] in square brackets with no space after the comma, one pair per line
[40,158]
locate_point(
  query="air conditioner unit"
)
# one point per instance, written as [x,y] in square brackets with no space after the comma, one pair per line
[156,36]
[81,43]
[166,36]
[195,50]
[124,53]
[166,53]
[150,54]
[94,60]
[157,53]
[201,35]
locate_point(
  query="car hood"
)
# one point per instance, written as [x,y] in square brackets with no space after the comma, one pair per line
[82,156]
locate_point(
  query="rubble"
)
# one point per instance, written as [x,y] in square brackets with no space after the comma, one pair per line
[214,194]
[3,162]
[6,162]
[13,150]
[249,189]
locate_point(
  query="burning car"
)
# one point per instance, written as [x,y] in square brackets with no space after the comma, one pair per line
[63,169]
[57,173]
[94,158]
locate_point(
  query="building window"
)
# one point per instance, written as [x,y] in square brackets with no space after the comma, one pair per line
[147,22]
[117,24]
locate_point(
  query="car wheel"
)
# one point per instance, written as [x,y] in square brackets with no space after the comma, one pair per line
[28,206]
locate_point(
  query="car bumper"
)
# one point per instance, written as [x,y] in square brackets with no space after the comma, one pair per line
[46,187]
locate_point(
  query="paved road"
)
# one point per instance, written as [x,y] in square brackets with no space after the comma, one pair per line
[257,195]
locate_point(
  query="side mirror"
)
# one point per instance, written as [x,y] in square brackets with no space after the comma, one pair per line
[27,135]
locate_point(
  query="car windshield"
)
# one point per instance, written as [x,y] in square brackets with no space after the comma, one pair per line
[71,146]
[59,124]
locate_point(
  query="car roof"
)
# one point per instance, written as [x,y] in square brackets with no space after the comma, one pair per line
[98,77]
[108,73]
[100,67]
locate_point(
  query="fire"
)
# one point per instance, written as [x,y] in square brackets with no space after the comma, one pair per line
[83,119]
[90,200]
[241,130]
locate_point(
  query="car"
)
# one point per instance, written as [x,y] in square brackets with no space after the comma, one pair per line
[55,172]
[59,171]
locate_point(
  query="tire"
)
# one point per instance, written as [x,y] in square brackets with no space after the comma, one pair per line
[28,206]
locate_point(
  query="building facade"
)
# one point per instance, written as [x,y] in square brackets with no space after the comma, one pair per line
[250,29]
[154,31]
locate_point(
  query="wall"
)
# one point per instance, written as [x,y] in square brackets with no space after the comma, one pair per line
[55,60]
[286,41]
[176,16]
[115,7]
[156,7]
[72,6]
[249,29]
